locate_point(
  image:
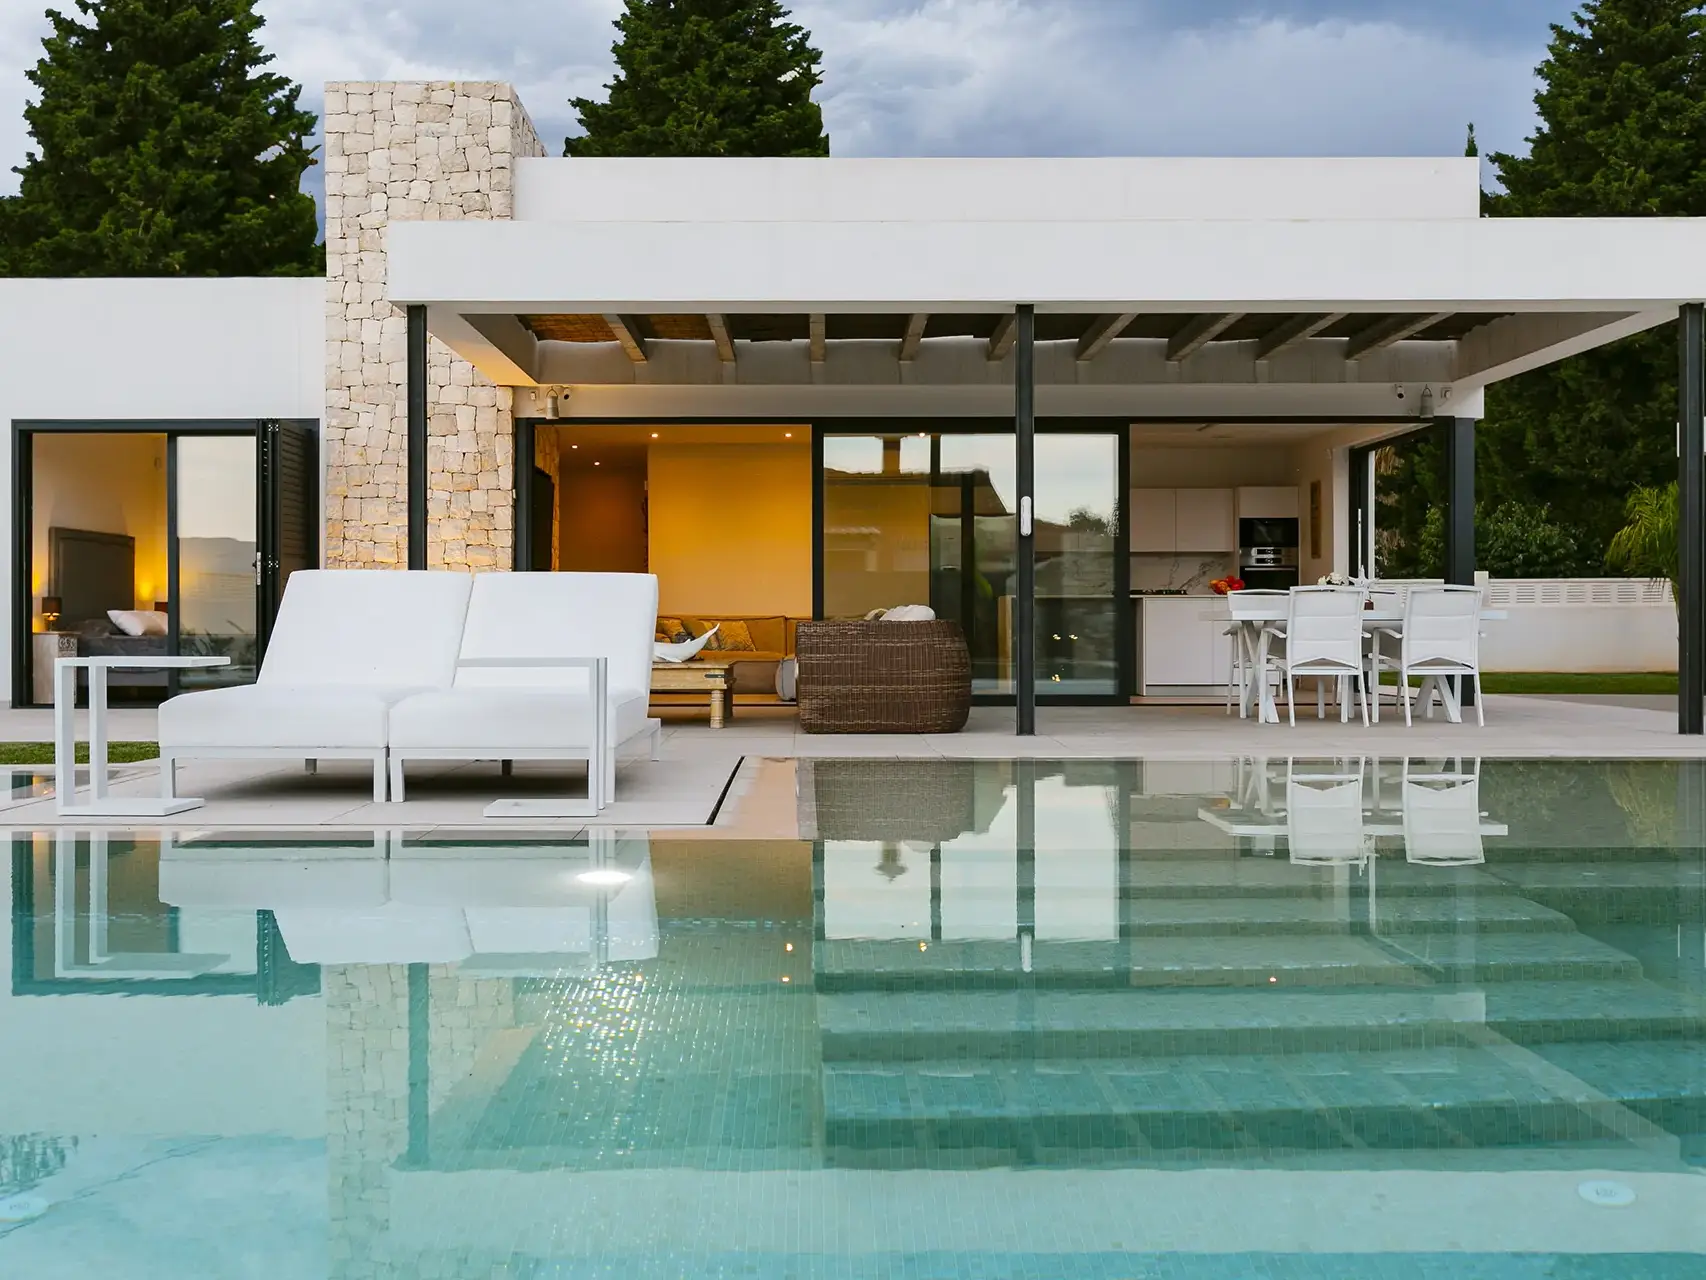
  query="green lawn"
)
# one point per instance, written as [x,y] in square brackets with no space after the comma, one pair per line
[1570,682]
[42,752]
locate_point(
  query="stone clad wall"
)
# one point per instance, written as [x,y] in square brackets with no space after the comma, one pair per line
[434,151]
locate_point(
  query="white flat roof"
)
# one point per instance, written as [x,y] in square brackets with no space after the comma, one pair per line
[1100,189]
[689,265]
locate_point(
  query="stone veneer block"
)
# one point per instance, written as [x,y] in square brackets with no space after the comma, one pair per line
[411,152]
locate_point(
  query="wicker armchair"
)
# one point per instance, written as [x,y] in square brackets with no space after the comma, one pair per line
[883,677]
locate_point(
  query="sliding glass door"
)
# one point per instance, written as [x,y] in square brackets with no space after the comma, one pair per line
[216,557]
[928,517]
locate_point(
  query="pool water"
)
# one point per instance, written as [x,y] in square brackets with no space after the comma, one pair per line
[991,1019]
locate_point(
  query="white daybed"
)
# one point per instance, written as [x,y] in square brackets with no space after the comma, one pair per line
[349,645]
[535,648]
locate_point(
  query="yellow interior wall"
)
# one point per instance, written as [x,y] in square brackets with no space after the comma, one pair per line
[876,544]
[731,528]
[601,519]
[106,483]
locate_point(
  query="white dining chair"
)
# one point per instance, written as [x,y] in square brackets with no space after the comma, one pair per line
[1442,818]
[1322,637]
[1246,607]
[1324,822]
[1440,638]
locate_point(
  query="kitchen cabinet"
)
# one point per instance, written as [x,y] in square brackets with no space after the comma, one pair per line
[1268,503]
[1182,520]
[1178,648]
[1202,520]
[1154,520]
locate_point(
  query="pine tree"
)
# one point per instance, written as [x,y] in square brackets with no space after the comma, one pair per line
[706,78]
[164,149]
[1622,133]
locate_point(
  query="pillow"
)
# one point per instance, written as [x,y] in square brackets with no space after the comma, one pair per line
[139,622]
[673,631]
[733,637]
[910,613]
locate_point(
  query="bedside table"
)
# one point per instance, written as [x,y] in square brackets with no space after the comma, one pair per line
[45,648]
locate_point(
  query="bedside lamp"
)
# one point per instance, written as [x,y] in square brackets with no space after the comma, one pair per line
[50,610]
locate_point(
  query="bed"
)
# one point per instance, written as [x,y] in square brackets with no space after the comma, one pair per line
[92,572]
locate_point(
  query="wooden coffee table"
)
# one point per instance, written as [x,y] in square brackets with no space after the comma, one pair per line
[713,676]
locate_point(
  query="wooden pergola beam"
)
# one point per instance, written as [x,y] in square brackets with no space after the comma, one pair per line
[1383,333]
[628,333]
[1199,333]
[1103,331]
[819,332]
[720,335]
[1001,341]
[914,338]
[1288,333]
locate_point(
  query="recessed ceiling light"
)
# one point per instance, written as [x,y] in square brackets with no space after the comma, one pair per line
[574,446]
[654,435]
[787,435]
[595,463]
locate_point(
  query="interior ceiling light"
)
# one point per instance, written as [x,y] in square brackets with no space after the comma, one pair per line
[654,435]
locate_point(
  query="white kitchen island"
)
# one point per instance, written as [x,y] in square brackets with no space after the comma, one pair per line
[1178,651]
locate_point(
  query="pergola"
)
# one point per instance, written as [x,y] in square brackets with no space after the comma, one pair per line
[778,304]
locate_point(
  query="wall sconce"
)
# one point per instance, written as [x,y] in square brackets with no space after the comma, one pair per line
[50,609]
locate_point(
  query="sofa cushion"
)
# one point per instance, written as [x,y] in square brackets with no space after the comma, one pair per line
[495,720]
[259,715]
[387,628]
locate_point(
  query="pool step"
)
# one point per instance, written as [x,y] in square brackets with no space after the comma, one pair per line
[996,1112]
[912,1025]
[1204,960]
[1271,916]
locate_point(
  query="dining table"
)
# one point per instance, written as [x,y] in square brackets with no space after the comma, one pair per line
[1385,612]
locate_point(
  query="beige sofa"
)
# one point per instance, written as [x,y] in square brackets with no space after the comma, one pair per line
[771,635]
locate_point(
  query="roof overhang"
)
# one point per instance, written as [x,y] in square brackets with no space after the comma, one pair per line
[1152,314]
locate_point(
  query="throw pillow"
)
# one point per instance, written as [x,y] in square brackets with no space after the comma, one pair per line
[139,622]
[910,613]
[733,637]
[673,631]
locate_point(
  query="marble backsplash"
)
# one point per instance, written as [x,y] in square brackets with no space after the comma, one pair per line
[1189,573]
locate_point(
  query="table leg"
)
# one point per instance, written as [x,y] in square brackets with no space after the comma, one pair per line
[716,706]
[1269,711]
[64,734]
[97,734]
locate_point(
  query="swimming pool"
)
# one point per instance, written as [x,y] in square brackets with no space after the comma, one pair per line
[976,1019]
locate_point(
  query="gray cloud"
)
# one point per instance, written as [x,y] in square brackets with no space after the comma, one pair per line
[982,77]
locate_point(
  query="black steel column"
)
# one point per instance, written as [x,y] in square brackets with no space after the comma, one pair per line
[1460,513]
[1691,519]
[1024,544]
[1459,500]
[417,467]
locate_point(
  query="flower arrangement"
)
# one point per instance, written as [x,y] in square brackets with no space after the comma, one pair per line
[1222,586]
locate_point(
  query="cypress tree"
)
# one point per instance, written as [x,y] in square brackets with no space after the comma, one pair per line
[706,78]
[165,149]
[1622,133]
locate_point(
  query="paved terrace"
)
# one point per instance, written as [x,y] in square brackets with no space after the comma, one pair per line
[730,780]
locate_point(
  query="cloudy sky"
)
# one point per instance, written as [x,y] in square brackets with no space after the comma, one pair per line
[981,77]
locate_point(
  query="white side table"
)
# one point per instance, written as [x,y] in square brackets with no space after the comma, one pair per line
[100,804]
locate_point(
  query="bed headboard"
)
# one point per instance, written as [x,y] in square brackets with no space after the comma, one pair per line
[90,572]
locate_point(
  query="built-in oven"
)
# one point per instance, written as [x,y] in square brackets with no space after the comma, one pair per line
[1267,552]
